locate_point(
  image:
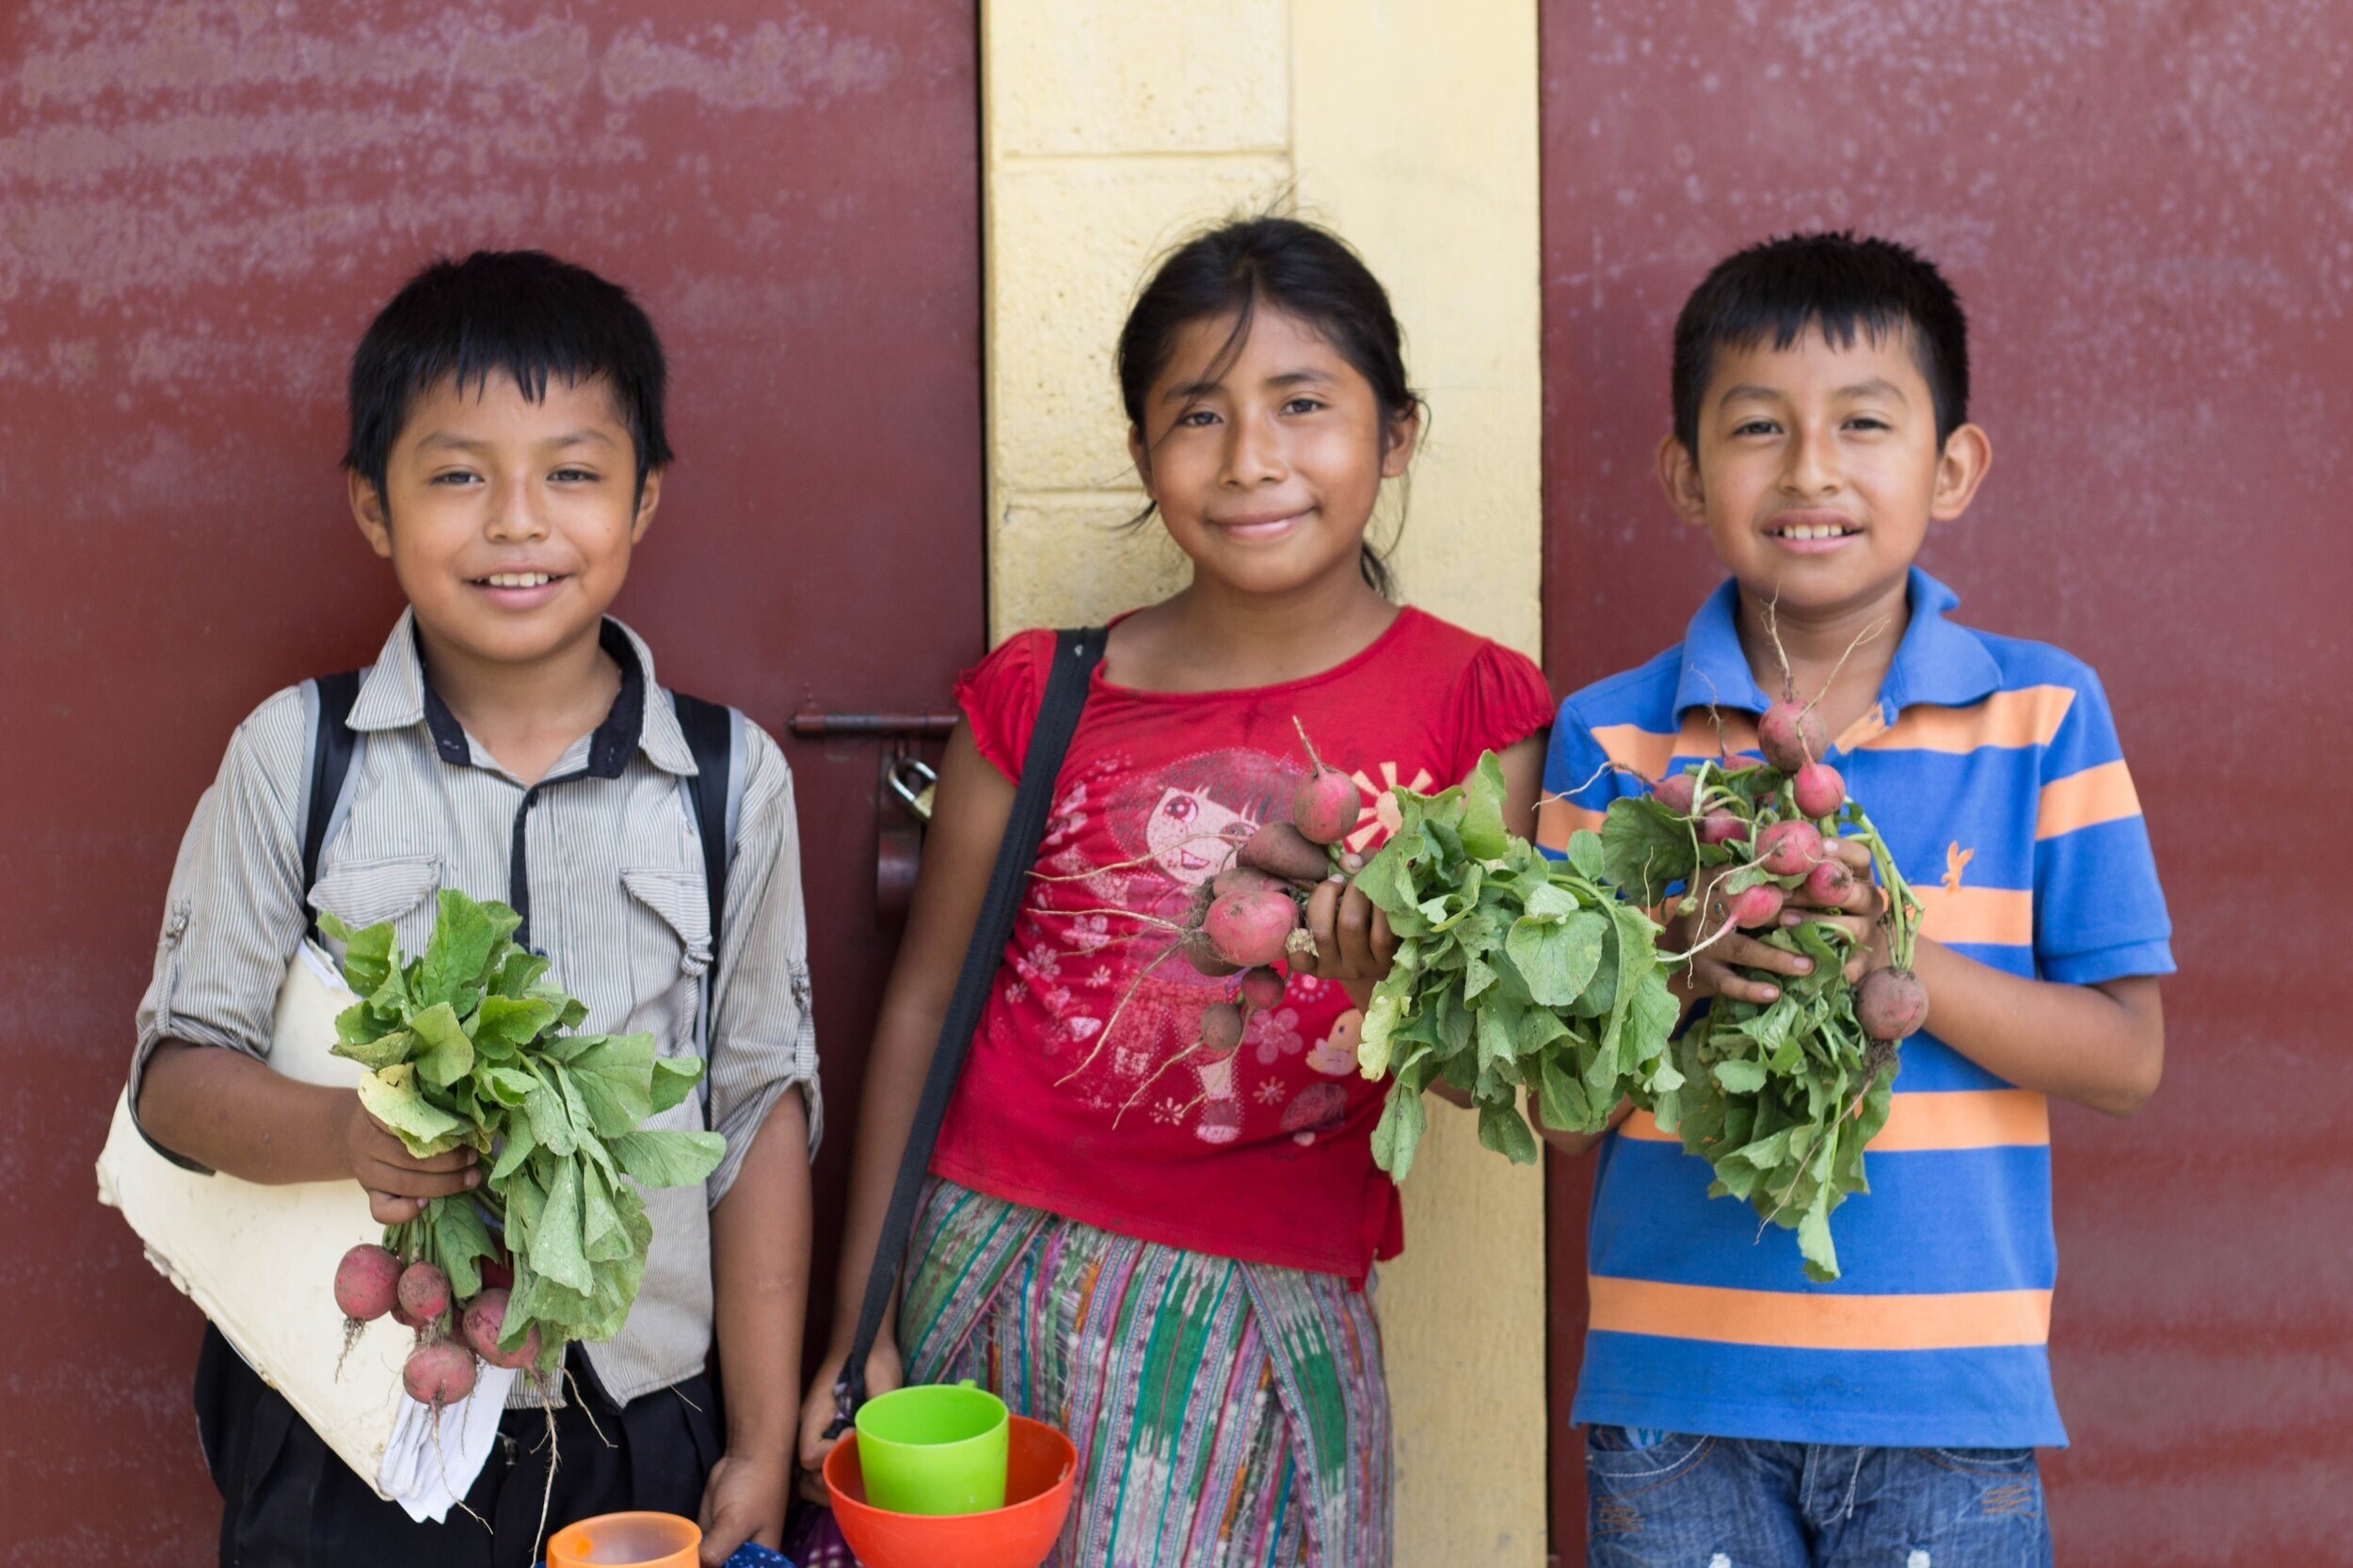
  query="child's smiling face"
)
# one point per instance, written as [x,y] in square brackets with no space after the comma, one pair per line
[510,522]
[1819,470]
[1266,469]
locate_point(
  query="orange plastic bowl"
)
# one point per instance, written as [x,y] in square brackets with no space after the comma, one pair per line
[1040,1465]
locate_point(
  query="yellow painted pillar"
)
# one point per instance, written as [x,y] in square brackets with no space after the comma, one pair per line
[1112,131]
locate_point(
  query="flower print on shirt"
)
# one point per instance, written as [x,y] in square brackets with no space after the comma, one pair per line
[1273,1035]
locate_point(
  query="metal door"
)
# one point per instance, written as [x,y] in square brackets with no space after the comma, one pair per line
[200,204]
[2148,210]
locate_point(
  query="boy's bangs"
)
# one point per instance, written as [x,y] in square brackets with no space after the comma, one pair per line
[1842,324]
[520,314]
[1848,289]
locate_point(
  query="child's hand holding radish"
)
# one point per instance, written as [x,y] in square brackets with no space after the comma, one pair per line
[1737,967]
[1851,902]
[1726,962]
[400,1184]
[1354,944]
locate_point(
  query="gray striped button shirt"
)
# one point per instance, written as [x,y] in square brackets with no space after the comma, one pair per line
[603,860]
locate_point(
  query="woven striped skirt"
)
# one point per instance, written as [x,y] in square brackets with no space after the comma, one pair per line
[1225,1414]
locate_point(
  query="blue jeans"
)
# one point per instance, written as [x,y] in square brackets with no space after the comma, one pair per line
[1671,1500]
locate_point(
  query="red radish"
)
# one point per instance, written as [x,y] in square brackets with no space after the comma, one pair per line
[1755,906]
[367,1283]
[1261,988]
[1201,954]
[1791,736]
[1789,848]
[1243,879]
[1718,827]
[423,1291]
[1820,789]
[1675,792]
[404,1318]
[438,1373]
[1891,1005]
[1251,928]
[1829,883]
[485,1320]
[1221,1028]
[1281,850]
[1326,806]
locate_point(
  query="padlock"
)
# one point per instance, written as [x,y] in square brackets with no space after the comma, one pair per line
[915,782]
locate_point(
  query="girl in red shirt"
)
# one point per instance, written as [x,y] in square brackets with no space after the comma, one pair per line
[1163,1250]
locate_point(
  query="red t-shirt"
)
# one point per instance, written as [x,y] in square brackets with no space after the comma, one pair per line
[1084,1094]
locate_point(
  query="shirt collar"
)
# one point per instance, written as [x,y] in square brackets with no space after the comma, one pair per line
[395,695]
[1937,661]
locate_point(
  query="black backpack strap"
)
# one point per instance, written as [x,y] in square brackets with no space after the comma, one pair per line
[710,729]
[1076,654]
[331,745]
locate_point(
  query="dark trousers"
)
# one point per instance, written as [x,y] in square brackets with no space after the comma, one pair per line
[290,1502]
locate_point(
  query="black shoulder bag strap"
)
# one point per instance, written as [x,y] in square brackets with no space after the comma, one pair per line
[710,730]
[1076,654]
[331,762]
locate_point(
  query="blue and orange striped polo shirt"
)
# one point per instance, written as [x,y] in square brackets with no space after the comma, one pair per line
[1991,767]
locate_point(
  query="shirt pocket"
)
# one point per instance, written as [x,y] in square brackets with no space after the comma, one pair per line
[361,893]
[669,953]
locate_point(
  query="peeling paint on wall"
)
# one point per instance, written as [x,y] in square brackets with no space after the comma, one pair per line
[150,153]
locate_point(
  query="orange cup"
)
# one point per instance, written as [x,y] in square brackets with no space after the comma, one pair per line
[1040,1465]
[626,1541]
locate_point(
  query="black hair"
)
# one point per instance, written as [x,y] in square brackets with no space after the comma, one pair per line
[1836,283]
[523,314]
[1302,270]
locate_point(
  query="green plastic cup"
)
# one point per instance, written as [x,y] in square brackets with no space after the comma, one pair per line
[934,1448]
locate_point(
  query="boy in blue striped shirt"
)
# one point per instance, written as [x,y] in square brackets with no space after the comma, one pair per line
[1737,1413]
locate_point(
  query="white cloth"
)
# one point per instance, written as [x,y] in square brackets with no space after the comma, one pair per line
[426,1472]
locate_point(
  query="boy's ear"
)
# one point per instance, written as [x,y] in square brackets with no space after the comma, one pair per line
[1679,476]
[1960,470]
[649,497]
[1398,441]
[367,510]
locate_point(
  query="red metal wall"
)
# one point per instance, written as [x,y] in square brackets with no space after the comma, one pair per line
[2148,207]
[200,204]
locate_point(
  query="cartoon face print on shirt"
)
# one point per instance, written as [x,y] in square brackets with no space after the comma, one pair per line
[1192,835]
[1124,853]
[1207,807]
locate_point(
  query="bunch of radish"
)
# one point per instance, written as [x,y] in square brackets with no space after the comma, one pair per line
[473,1044]
[1780,1098]
[1251,915]
[373,1282]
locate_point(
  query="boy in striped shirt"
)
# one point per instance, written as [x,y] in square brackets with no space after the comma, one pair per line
[1735,1412]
